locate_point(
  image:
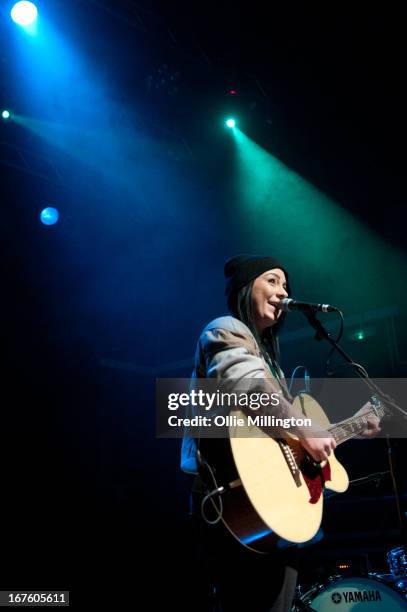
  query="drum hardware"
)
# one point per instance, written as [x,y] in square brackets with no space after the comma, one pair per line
[401,585]
[300,603]
[397,561]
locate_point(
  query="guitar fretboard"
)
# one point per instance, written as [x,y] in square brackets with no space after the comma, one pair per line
[352,427]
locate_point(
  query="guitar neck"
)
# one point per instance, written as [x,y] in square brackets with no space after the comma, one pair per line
[350,428]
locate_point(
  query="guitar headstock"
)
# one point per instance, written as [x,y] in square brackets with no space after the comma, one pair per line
[378,407]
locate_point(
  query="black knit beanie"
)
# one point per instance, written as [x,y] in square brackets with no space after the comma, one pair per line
[242,269]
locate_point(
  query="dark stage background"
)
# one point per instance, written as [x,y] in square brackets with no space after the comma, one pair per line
[118,122]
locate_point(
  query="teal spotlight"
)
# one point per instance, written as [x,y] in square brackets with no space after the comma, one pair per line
[24,13]
[5,115]
[231,123]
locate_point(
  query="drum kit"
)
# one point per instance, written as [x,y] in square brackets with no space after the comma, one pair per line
[372,591]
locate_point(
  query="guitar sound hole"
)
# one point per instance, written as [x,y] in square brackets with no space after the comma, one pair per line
[309,467]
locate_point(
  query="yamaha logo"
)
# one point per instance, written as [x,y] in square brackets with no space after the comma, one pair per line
[353,596]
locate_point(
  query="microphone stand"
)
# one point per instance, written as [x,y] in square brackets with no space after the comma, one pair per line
[323,334]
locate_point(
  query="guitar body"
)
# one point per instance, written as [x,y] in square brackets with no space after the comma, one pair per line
[276,497]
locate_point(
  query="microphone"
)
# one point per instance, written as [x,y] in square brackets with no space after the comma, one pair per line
[287,304]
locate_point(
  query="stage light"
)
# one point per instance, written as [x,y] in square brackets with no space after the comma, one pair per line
[49,216]
[360,335]
[24,13]
[231,123]
[5,114]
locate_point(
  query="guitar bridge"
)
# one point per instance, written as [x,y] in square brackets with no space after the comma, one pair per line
[291,460]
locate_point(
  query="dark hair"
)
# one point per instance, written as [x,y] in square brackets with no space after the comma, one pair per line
[241,307]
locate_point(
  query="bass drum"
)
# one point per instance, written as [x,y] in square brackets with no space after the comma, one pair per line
[356,593]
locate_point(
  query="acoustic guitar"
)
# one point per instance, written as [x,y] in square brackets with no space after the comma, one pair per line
[271,491]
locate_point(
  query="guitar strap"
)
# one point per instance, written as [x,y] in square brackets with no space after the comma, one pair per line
[278,374]
[302,402]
